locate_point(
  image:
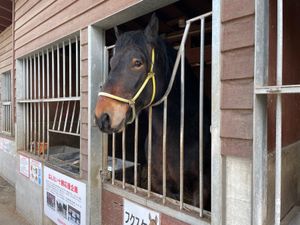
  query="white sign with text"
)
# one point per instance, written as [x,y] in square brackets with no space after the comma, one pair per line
[139,215]
[24,166]
[64,198]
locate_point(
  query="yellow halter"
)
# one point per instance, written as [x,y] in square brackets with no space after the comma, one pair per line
[131,102]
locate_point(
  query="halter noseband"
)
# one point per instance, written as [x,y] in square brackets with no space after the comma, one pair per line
[131,102]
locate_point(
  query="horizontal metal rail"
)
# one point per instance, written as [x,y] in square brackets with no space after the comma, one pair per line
[283,89]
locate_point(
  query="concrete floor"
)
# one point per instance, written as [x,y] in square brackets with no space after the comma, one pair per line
[8,213]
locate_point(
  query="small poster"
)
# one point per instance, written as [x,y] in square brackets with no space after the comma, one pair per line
[24,166]
[64,198]
[36,172]
[138,215]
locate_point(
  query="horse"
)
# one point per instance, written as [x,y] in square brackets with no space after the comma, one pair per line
[140,73]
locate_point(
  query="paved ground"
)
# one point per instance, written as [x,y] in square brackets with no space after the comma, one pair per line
[8,214]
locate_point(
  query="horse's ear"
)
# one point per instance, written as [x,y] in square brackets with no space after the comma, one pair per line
[151,31]
[117,32]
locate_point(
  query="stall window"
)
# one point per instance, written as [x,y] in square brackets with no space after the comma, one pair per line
[6,123]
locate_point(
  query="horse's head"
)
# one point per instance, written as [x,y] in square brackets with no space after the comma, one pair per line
[132,83]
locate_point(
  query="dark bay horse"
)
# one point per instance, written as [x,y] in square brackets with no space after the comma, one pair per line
[140,73]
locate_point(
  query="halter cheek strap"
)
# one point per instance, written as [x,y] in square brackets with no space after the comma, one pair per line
[131,102]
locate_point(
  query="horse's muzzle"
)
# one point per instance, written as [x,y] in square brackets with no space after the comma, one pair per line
[104,123]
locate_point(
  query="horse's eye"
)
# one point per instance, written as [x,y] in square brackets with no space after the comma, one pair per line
[138,63]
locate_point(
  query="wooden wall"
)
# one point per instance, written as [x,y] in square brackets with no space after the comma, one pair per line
[237,71]
[6,50]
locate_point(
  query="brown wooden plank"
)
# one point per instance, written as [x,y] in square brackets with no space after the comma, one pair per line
[83,84]
[84,100]
[6,44]
[19,4]
[25,8]
[238,63]
[84,130]
[84,36]
[84,68]
[236,147]
[84,146]
[39,14]
[84,162]
[233,9]
[5,63]
[84,115]
[238,33]
[237,94]
[6,55]
[237,124]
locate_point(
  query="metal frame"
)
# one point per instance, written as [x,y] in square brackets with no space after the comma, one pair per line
[259,207]
[34,95]
[128,13]
[6,126]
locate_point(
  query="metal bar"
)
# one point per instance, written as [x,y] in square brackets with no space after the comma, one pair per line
[176,64]
[48,75]
[58,71]
[55,116]
[136,140]
[64,69]
[72,119]
[201,90]
[34,105]
[280,89]
[60,117]
[66,117]
[62,132]
[39,106]
[182,129]
[50,100]
[149,150]
[78,124]
[70,68]
[48,127]
[31,105]
[77,68]
[164,150]
[203,16]
[278,112]
[43,76]
[113,158]
[123,157]
[52,71]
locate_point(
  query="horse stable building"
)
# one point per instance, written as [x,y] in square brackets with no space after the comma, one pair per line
[54,62]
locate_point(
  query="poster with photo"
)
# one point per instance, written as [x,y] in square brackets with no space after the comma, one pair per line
[36,172]
[64,198]
[24,166]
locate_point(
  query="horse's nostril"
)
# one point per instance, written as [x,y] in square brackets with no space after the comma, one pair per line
[104,121]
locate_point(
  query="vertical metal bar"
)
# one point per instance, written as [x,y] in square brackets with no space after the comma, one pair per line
[48,125]
[72,119]
[70,68]
[66,117]
[123,158]
[77,67]
[34,104]
[61,113]
[201,90]
[278,113]
[113,158]
[182,128]
[78,124]
[64,69]
[43,106]
[39,106]
[58,71]
[48,75]
[52,71]
[136,140]
[55,116]
[31,105]
[164,150]
[149,150]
